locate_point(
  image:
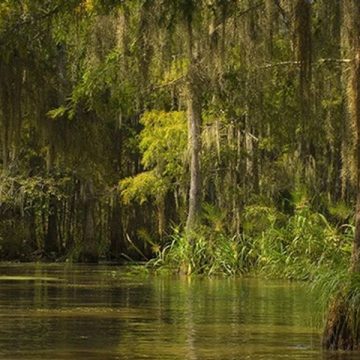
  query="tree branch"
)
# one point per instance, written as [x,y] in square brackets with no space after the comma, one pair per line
[318,62]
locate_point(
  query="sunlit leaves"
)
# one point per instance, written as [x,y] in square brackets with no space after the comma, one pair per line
[163,146]
[58,112]
[163,141]
[142,187]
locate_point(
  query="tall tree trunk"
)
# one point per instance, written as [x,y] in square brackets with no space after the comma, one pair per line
[89,251]
[160,202]
[355,261]
[5,120]
[31,223]
[352,14]
[117,243]
[5,143]
[194,136]
[303,48]
[51,245]
[342,330]
[52,239]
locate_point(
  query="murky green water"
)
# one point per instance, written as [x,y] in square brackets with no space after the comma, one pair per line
[99,312]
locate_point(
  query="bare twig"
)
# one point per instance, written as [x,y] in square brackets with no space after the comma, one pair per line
[318,62]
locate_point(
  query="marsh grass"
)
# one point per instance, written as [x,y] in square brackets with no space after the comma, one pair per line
[302,246]
[272,245]
[210,254]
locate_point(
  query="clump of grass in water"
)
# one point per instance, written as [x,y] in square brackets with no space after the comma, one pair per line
[339,297]
[211,253]
[297,247]
[273,244]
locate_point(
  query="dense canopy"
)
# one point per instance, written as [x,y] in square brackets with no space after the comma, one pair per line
[97,156]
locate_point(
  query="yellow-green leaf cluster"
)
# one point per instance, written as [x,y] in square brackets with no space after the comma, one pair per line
[141,187]
[163,141]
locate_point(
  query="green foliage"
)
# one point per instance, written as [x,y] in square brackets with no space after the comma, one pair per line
[328,283]
[177,70]
[142,187]
[58,112]
[28,190]
[22,199]
[94,92]
[163,142]
[209,254]
[341,211]
[275,245]
[298,247]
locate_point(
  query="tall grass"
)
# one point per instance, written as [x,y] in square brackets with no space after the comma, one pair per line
[211,253]
[300,246]
[338,293]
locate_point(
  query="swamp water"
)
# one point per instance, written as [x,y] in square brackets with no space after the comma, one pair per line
[103,312]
